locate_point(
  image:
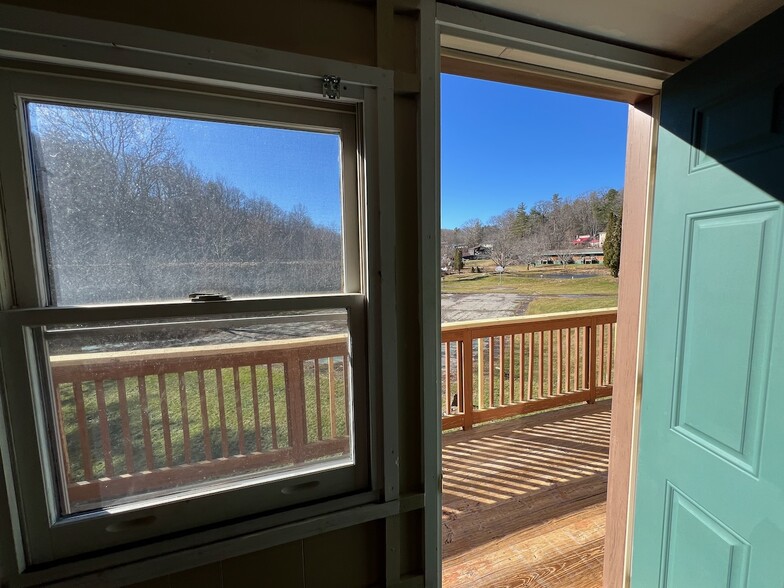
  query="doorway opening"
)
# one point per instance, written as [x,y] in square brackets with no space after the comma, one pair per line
[532,200]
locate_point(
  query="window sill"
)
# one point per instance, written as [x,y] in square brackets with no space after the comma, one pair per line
[208,546]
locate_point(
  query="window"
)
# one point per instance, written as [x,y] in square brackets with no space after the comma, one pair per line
[189,347]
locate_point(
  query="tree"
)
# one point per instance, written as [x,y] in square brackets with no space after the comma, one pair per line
[473,232]
[459,265]
[504,239]
[612,244]
[520,224]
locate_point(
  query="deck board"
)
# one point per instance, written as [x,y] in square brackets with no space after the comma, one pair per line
[524,501]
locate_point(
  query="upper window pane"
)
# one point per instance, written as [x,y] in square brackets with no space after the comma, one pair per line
[141,208]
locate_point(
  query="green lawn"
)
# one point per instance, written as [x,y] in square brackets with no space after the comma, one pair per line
[551,304]
[552,294]
[533,282]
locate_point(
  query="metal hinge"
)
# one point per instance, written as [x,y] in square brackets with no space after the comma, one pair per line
[330,87]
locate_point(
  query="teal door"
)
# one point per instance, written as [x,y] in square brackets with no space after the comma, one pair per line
[709,509]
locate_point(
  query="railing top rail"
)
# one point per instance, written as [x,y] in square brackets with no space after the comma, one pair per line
[136,356]
[608,314]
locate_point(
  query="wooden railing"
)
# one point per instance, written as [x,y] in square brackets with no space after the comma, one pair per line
[140,421]
[498,368]
[134,422]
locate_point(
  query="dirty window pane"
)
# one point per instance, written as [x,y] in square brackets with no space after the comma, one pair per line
[142,208]
[174,408]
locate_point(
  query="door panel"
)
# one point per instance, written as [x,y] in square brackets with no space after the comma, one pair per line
[710,485]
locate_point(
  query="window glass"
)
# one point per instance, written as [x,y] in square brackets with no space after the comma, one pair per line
[155,409]
[142,207]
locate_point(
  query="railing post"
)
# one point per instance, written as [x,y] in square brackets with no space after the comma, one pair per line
[467,375]
[590,334]
[295,405]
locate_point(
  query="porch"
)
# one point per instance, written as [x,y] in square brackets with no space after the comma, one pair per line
[524,500]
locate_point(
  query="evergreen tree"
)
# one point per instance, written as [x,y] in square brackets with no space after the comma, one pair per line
[612,244]
[459,265]
[520,223]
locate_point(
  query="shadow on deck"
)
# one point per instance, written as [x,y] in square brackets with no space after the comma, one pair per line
[524,501]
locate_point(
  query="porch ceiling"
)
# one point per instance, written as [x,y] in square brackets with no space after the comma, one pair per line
[679,28]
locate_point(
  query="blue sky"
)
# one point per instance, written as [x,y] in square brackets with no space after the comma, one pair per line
[502,145]
[289,168]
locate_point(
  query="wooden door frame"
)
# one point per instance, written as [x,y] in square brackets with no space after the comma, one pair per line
[638,198]
[641,142]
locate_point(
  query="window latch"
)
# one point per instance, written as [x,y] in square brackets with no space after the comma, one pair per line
[207,297]
[330,87]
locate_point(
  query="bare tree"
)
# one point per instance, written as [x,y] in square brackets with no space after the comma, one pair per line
[505,241]
[473,232]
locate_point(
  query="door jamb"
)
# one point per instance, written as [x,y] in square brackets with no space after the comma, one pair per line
[641,148]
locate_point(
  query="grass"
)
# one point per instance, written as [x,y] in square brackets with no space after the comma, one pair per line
[552,304]
[533,282]
[551,294]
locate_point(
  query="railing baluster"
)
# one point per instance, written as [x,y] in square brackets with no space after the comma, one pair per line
[205,421]
[512,368]
[125,423]
[317,372]
[611,369]
[521,383]
[333,411]
[345,389]
[235,372]
[222,412]
[447,371]
[460,376]
[530,365]
[186,426]
[167,442]
[84,436]
[591,365]
[569,359]
[541,365]
[254,391]
[481,369]
[271,391]
[550,364]
[63,438]
[501,379]
[559,361]
[468,379]
[145,422]
[491,373]
[103,420]
[601,354]
[295,404]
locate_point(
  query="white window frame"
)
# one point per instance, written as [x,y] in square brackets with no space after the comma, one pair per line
[145,75]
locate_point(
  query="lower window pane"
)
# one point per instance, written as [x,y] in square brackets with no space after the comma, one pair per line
[147,411]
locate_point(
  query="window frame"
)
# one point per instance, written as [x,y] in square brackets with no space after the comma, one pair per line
[27,484]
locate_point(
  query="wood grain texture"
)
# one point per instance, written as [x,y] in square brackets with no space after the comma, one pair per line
[636,216]
[524,501]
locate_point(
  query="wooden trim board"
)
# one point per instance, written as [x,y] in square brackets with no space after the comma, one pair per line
[638,193]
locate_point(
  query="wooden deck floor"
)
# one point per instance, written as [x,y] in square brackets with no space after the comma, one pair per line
[524,501]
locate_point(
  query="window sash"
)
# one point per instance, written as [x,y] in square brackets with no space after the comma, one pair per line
[25,229]
[52,536]
[49,537]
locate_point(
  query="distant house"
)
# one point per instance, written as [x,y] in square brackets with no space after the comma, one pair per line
[589,240]
[566,256]
[478,252]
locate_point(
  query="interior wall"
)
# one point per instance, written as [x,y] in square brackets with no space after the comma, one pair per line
[383,33]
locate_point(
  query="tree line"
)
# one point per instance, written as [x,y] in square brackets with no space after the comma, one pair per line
[522,236]
[127,219]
